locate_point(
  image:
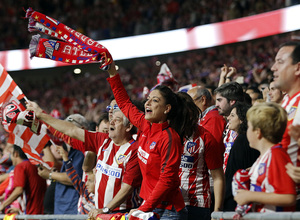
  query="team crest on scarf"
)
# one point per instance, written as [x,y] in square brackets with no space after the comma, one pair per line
[9,112]
[121,158]
[152,145]
[261,169]
[50,46]
[292,113]
[191,147]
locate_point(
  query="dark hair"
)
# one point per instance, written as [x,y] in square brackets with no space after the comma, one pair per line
[241,111]
[295,55]
[184,113]
[231,91]
[211,87]
[103,117]
[20,152]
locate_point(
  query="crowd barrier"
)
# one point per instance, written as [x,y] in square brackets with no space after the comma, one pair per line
[52,217]
[262,216]
[215,215]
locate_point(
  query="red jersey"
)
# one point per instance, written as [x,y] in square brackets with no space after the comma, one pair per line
[200,153]
[159,154]
[290,104]
[215,123]
[34,186]
[268,174]
[115,165]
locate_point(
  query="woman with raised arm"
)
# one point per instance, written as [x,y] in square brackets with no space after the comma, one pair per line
[163,127]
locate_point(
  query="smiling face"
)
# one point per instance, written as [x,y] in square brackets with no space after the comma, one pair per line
[233,121]
[155,108]
[284,71]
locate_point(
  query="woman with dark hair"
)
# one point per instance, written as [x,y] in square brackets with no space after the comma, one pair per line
[163,127]
[241,156]
[201,154]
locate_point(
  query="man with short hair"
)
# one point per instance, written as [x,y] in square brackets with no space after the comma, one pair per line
[117,170]
[226,96]
[286,72]
[27,182]
[210,119]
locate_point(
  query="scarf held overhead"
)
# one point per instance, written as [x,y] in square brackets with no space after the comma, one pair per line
[71,47]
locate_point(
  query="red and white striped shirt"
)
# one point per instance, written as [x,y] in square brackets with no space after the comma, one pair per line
[115,164]
[290,104]
[268,174]
[200,153]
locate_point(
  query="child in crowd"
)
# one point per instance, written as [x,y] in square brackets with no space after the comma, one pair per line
[271,188]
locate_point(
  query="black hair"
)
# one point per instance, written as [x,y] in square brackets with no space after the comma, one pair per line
[247,98]
[241,111]
[183,111]
[103,117]
[295,55]
[20,152]
[231,91]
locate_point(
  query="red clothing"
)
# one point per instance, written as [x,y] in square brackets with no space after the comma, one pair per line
[268,174]
[34,186]
[76,144]
[215,124]
[115,165]
[159,155]
[290,104]
[201,153]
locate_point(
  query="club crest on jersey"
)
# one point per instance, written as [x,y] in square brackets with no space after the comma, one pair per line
[121,158]
[191,147]
[292,113]
[261,169]
[152,145]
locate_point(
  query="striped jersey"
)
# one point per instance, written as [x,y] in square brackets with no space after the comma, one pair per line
[290,104]
[201,153]
[228,140]
[115,164]
[268,174]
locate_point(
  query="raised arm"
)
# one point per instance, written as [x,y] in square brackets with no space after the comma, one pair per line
[63,126]
[123,100]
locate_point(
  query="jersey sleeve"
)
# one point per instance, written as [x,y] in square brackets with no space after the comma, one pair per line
[213,154]
[132,175]
[76,144]
[129,110]
[277,175]
[168,182]
[78,184]
[93,140]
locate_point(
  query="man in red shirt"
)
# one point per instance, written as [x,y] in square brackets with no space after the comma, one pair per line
[26,182]
[210,118]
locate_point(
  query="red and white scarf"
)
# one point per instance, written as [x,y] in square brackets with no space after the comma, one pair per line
[71,47]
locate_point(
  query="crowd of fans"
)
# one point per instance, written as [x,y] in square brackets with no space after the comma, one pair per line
[119,18]
[89,93]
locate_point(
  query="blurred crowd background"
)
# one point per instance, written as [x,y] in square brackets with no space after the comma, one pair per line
[89,93]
